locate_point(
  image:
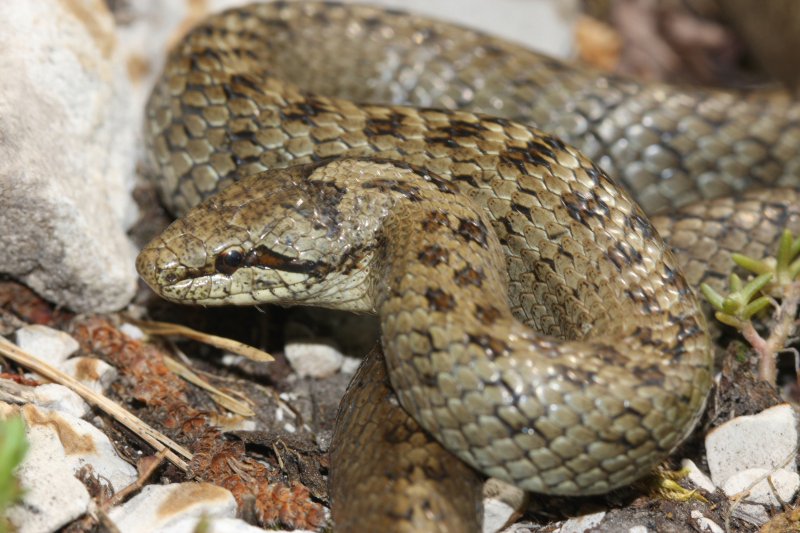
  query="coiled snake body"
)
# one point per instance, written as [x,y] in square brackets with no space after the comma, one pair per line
[532,319]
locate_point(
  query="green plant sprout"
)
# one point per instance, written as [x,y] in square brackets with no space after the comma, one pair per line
[776,279]
[738,307]
[13,446]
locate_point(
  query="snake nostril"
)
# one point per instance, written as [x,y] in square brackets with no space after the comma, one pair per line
[147,265]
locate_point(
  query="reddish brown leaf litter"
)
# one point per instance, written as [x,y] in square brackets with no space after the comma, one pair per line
[216,460]
[225,463]
[20,379]
[24,304]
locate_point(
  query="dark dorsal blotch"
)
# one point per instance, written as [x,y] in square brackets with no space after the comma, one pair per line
[473,231]
[433,255]
[469,276]
[492,346]
[439,300]
[488,315]
[435,221]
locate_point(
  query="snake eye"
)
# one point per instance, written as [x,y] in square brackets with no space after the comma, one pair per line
[229,261]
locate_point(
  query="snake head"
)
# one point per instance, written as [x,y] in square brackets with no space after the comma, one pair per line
[286,236]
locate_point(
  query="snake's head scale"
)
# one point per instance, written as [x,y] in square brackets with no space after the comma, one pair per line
[289,236]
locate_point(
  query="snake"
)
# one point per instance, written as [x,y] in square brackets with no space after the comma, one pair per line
[535,323]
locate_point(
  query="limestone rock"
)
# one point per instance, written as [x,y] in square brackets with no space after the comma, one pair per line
[758,489]
[502,503]
[766,440]
[67,154]
[47,344]
[313,360]
[163,507]
[59,446]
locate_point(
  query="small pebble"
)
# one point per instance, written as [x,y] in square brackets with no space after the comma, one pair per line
[581,524]
[502,503]
[350,365]
[92,372]
[698,477]
[132,331]
[706,524]
[60,398]
[164,507]
[313,360]
[47,344]
[758,492]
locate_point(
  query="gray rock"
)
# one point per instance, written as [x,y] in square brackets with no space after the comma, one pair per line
[350,365]
[581,524]
[313,360]
[91,371]
[757,489]
[59,446]
[59,398]
[705,524]
[190,524]
[766,440]
[698,478]
[67,154]
[174,507]
[46,344]
[502,503]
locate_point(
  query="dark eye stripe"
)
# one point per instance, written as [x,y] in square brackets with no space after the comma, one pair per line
[263,257]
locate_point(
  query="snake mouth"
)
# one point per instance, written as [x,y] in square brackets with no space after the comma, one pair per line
[160,268]
[147,265]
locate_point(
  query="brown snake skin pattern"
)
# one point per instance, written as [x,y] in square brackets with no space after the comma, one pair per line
[532,319]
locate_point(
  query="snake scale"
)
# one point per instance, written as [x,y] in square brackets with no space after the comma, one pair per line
[532,319]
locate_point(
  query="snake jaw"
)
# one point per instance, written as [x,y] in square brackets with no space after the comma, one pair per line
[157,268]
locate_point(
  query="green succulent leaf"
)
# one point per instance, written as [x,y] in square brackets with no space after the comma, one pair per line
[756,266]
[754,286]
[785,266]
[713,297]
[756,306]
[739,305]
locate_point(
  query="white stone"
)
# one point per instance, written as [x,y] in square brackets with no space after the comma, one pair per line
[313,360]
[132,331]
[81,443]
[350,365]
[581,524]
[706,524]
[698,478]
[164,507]
[521,527]
[190,524]
[67,154]
[502,503]
[759,492]
[92,372]
[47,344]
[638,529]
[59,398]
[52,496]
[766,440]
